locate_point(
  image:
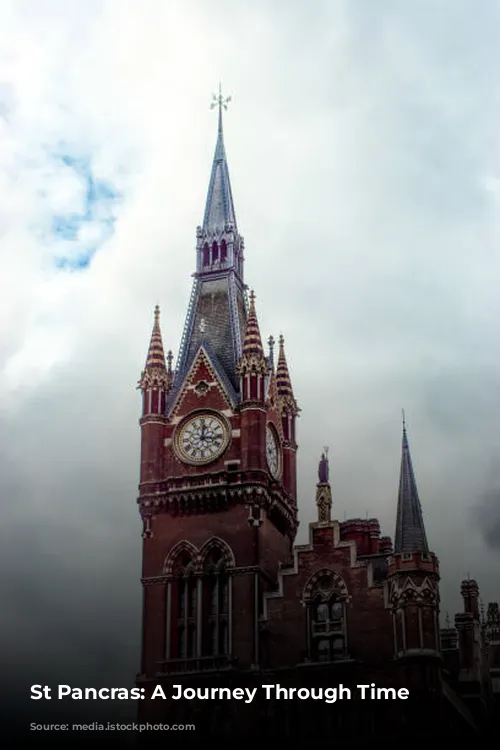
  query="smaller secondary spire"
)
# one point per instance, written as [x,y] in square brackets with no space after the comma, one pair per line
[155,371]
[156,355]
[410,531]
[252,357]
[252,343]
[284,384]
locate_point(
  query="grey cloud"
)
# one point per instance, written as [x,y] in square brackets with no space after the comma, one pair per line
[487,516]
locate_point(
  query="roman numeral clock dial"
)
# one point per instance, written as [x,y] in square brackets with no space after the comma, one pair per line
[202,438]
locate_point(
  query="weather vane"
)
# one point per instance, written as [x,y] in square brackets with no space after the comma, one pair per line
[220,101]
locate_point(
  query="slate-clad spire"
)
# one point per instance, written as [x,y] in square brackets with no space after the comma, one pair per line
[410,531]
[219,208]
[217,313]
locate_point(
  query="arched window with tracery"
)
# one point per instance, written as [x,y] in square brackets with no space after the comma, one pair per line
[216,584]
[198,604]
[325,597]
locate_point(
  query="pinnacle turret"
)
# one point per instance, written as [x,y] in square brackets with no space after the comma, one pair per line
[284,384]
[410,530]
[252,359]
[155,373]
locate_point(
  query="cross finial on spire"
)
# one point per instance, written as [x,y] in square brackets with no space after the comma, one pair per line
[404,419]
[157,314]
[271,342]
[219,100]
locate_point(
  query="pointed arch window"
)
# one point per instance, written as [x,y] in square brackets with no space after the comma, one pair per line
[326,619]
[198,605]
[223,251]
[215,252]
[216,600]
[185,623]
[206,254]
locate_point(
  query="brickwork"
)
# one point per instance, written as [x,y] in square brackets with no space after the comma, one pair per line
[226,592]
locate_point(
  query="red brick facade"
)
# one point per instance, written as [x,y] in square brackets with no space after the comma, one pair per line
[225,590]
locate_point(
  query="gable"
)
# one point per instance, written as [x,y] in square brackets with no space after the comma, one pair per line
[203,387]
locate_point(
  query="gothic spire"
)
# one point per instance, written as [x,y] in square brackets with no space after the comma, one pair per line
[410,530]
[284,384]
[155,371]
[216,316]
[219,208]
[252,359]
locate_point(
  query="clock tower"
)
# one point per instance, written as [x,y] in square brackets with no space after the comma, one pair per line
[217,493]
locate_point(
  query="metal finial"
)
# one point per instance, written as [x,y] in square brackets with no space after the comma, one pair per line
[219,100]
[404,419]
[326,449]
[157,314]
[271,342]
[281,340]
[252,298]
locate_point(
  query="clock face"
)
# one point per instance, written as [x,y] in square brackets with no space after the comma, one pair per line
[202,439]
[272,453]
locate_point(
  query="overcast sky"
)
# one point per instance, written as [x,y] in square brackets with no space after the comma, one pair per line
[363,147]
